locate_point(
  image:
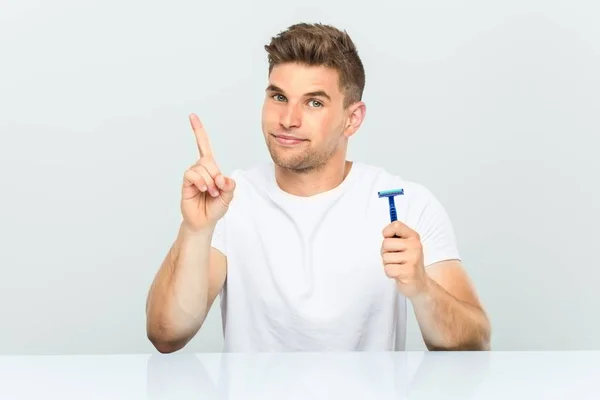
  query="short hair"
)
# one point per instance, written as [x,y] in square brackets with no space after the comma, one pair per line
[321,45]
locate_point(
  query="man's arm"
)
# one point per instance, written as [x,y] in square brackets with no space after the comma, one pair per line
[449,312]
[186,285]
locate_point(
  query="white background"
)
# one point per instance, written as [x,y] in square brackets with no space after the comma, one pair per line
[494,106]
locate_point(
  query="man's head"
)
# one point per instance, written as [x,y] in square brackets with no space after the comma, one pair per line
[316,81]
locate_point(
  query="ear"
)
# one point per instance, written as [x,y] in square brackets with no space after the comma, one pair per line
[355,116]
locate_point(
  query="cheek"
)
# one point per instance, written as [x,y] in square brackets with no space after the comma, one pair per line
[274,112]
[265,111]
[269,117]
[320,126]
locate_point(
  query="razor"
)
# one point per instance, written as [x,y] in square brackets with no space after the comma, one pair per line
[390,194]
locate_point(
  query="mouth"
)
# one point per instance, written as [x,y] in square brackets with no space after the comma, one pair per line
[287,140]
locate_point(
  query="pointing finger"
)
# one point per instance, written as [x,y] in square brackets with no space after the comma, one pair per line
[201,136]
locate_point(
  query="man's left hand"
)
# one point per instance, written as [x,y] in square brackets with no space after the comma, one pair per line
[402,256]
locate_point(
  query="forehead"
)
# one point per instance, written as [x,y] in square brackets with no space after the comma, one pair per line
[299,79]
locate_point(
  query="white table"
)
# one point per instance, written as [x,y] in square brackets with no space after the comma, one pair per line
[312,376]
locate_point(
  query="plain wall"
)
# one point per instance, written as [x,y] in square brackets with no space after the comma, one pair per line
[494,106]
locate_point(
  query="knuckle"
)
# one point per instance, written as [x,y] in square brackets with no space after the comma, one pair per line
[391,271]
[387,269]
[190,175]
[417,244]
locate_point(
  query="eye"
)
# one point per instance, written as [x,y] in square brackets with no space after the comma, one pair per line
[278,97]
[315,103]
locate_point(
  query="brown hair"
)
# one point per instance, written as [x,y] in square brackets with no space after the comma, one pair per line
[321,45]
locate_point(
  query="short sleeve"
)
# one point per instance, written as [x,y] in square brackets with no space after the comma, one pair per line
[435,228]
[218,238]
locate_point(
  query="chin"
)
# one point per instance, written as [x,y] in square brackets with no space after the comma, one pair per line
[299,163]
[292,162]
[299,159]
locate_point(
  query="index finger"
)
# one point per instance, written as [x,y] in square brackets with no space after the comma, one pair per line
[201,136]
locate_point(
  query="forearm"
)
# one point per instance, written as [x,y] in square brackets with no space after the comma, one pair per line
[177,302]
[448,323]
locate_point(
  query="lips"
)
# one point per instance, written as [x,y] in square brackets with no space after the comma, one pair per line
[287,140]
[287,137]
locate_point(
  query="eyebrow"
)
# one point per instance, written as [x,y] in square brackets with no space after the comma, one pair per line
[318,93]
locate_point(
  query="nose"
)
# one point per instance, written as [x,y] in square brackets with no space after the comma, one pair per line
[291,116]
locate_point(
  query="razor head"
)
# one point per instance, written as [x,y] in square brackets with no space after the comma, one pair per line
[390,193]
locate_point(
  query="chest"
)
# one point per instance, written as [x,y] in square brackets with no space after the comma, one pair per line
[328,260]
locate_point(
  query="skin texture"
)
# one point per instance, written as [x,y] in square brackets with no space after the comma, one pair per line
[305,103]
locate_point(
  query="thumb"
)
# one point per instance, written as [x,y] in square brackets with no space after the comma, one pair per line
[226,187]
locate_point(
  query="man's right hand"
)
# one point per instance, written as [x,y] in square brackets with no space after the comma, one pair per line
[206,193]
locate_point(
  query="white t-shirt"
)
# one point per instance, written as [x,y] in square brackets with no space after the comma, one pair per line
[305,273]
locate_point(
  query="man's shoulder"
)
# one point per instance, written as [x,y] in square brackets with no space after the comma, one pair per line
[386,179]
[420,206]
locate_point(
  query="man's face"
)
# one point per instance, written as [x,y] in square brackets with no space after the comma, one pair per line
[303,119]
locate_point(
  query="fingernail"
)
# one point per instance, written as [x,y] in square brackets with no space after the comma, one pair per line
[204,188]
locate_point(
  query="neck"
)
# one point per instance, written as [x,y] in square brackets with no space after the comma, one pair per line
[316,181]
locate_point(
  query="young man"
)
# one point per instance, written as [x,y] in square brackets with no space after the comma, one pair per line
[302,250]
